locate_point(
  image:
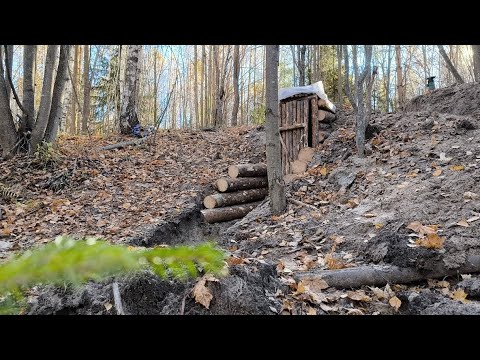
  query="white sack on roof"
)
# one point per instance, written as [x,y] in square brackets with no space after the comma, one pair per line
[315,88]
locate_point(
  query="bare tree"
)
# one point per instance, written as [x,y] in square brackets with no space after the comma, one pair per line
[339,77]
[28,119]
[236,72]
[401,93]
[129,106]
[57,108]
[51,103]
[8,135]
[358,102]
[86,89]
[46,97]
[450,66]
[387,80]
[301,65]
[276,185]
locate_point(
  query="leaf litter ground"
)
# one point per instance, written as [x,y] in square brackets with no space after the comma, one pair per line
[412,202]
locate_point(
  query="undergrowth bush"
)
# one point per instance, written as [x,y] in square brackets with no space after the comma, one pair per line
[69,261]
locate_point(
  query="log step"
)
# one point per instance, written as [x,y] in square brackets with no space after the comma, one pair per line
[228,213]
[234,198]
[230,185]
[247,170]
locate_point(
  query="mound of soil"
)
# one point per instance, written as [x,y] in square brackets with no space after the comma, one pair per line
[461,99]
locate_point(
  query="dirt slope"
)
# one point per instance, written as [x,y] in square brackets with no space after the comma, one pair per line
[422,166]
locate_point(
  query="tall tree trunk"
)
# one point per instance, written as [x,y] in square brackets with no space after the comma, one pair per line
[449,64]
[370,82]
[57,108]
[361,118]
[28,119]
[86,89]
[129,111]
[73,105]
[358,101]
[203,87]
[46,97]
[10,65]
[155,88]
[400,79]
[387,85]
[425,62]
[476,62]
[295,66]
[339,77]
[220,85]
[301,49]
[211,81]
[195,85]
[236,73]
[276,186]
[8,133]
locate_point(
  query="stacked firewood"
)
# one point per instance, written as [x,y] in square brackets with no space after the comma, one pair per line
[237,194]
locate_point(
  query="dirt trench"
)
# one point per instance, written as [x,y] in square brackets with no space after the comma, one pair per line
[246,290]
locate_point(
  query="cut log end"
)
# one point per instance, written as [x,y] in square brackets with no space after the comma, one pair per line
[222,185]
[209,202]
[233,171]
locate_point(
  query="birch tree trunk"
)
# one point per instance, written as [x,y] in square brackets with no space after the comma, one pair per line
[236,73]
[276,185]
[57,112]
[46,97]
[450,66]
[8,134]
[129,105]
[28,119]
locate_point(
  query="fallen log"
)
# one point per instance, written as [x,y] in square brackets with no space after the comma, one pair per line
[326,116]
[124,143]
[379,275]
[247,170]
[234,198]
[228,213]
[229,185]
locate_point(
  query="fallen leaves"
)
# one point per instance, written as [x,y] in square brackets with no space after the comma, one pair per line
[457,168]
[316,284]
[395,302]
[459,295]
[431,241]
[379,293]
[422,229]
[437,172]
[333,263]
[463,223]
[201,292]
[358,295]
